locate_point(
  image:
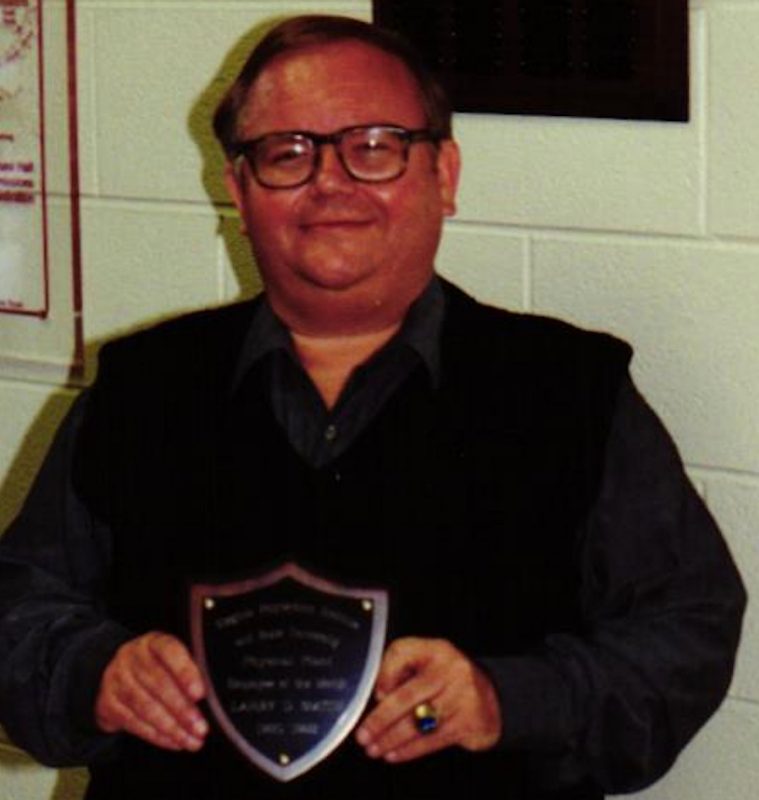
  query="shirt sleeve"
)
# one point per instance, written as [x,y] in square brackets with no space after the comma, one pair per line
[662,605]
[55,640]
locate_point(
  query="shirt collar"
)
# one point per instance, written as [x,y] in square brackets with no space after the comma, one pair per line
[420,331]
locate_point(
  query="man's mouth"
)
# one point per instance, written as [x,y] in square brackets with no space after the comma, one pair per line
[335,222]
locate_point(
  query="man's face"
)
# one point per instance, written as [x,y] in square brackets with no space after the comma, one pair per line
[338,255]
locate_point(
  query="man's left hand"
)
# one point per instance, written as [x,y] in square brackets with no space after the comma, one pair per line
[415,671]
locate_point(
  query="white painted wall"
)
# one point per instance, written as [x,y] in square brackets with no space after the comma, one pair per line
[649,230]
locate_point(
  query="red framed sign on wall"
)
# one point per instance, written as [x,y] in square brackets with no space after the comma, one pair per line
[40,251]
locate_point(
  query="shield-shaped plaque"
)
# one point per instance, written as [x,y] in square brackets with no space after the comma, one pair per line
[289,660]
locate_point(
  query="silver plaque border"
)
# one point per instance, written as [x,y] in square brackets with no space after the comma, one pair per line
[345,723]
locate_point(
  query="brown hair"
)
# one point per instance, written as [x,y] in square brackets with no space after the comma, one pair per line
[306,30]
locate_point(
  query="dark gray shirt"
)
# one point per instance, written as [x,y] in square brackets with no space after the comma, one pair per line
[660,594]
[319,434]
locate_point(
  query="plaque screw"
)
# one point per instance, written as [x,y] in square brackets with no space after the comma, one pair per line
[367,605]
[284,759]
[209,603]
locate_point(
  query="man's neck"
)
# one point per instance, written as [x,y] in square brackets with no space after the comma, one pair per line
[329,360]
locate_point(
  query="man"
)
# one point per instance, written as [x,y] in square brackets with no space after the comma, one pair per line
[563,608]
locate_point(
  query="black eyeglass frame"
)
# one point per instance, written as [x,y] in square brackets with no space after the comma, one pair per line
[247,147]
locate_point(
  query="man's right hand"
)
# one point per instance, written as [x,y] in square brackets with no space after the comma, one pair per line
[150,689]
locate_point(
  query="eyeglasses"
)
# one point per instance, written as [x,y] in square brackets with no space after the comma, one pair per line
[368,153]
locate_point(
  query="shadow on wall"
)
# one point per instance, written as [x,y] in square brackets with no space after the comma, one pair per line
[199,124]
[31,453]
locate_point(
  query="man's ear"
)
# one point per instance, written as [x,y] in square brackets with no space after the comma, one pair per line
[233,183]
[448,169]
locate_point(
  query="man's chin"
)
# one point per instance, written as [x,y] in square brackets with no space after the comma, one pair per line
[336,279]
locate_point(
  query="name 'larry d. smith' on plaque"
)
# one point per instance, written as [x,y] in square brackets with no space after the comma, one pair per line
[290,659]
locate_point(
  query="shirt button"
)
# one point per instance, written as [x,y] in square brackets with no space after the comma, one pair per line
[330,433]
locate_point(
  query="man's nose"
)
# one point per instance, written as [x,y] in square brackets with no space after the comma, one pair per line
[330,174]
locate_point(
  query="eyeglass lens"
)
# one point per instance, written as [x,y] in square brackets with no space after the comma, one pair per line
[368,154]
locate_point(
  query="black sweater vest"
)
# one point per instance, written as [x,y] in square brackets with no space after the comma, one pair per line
[465,500]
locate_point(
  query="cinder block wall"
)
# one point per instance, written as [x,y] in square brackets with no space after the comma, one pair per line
[648,230]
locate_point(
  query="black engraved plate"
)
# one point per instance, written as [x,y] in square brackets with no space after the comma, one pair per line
[289,661]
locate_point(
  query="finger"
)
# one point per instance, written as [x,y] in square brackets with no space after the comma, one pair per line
[177,660]
[420,746]
[128,708]
[155,734]
[397,736]
[402,660]
[135,706]
[143,677]
[455,683]
[457,724]
[398,707]
[138,688]
[174,680]
[169,707]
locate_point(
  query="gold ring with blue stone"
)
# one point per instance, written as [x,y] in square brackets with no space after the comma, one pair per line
[425,718]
